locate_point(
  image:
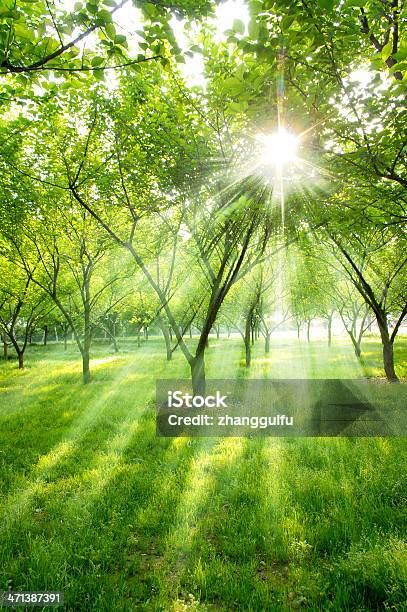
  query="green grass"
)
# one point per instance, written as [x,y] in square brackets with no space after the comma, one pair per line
[94,504]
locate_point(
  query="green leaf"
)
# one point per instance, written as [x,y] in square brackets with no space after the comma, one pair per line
[120,39]
[327,5]
[386,51]
[110,31]
[150,10]
[238,26]
[92,8]
[232,86]
[286,21]
[105,16]
[22,31]
[253,29]
[97,61]
[356,2]
[99,75]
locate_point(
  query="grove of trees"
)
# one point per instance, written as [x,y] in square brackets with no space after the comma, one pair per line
[131,199]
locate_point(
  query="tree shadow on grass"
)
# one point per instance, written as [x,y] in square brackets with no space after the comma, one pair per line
[93,532]
[282,518]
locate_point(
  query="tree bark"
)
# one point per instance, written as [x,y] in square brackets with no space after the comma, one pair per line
[20,360]
[356,344]
[247,338]
[197,365]
[85,366]
[388,352]
[5,347]
[87,333]
[166,334]
[267,343]
[45,340]
[330,330]
[308,329]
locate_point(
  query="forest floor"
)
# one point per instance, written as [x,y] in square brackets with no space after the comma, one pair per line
[93,504]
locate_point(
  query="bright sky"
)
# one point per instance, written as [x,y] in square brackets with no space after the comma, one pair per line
[129,19]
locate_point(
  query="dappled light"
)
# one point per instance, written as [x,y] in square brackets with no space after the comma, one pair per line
[203,305]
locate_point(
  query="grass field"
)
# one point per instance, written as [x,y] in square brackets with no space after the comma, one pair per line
[94,504]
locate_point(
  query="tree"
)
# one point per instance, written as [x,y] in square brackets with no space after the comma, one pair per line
[22,305]
[63,253]
[43,36]
[229,225]
[382,282]
[305,290]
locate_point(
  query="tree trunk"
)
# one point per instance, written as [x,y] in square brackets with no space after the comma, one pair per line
[298,330]
[20,360]
[5,347]
[217,332]
[114,339]
[166,334]
[388,353]
[138,338]
[308,329]
[267,343]
[247,344]
[85,366]
[388,361]
[87,334]
[65,336]
[190,332]
[45,339]
[228,329]
[329,331]
[197,365]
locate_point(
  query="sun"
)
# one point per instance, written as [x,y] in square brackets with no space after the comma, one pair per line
[280,148]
